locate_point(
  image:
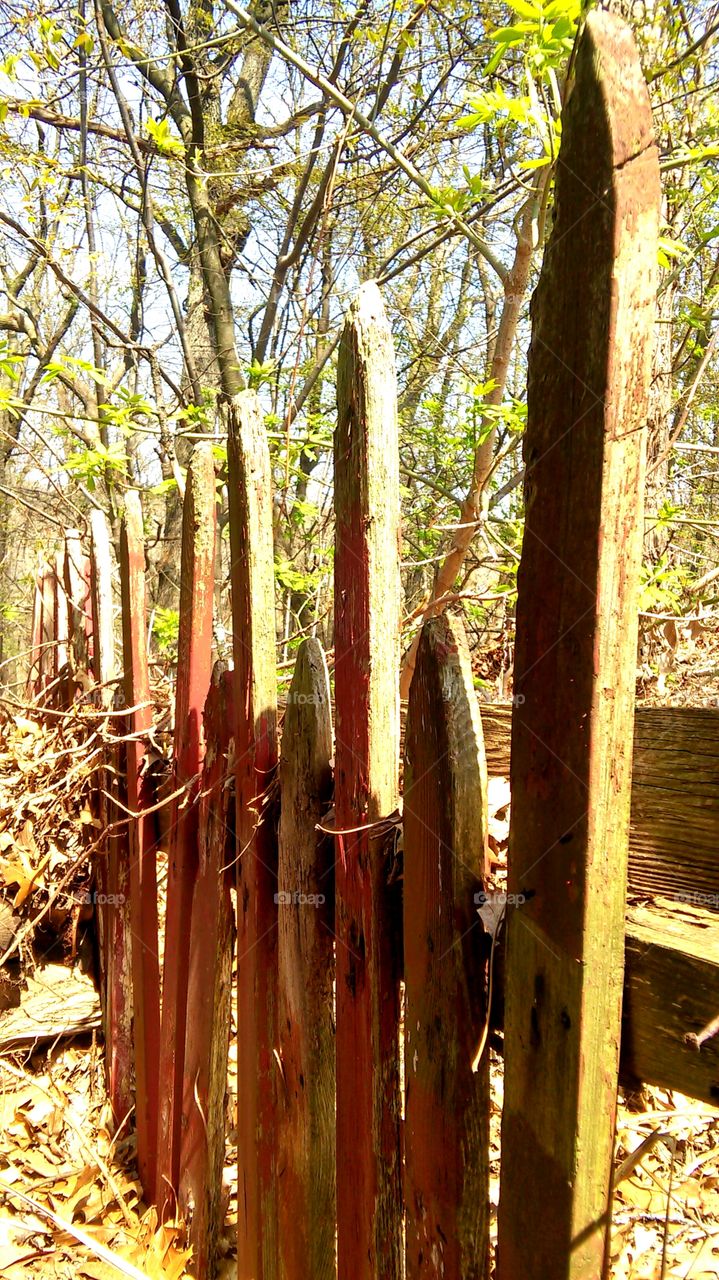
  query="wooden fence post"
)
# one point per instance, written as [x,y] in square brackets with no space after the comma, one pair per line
[142,859]
[77,585]
[253,624]
[306,1155]
[103,629]
[61,620]
[32,688]
[113,861]
[194,665]
[47,643]
[209,989]
[367,622]
[574,671]
[447,1103]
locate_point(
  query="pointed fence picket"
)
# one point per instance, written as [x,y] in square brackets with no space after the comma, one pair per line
[363,1141]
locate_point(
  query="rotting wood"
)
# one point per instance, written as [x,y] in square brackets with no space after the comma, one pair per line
[367,616]
[671,990]
[76,582]
[447,1103]
[103,630]
[575,658]
[255,694]
[674,828]
[141,848]
[209,989]
[112,878]
[306,1135]
[194,666]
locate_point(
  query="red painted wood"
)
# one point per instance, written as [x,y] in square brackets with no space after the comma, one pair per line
[253,622]
[194,665]
[367,617]
[142,859]
[209,989]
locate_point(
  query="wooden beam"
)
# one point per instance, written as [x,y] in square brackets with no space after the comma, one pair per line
[367,622]
[305,887]
[446,1102]
[142,848]
[671,991]
[255,693]
[209,989]
[575,661]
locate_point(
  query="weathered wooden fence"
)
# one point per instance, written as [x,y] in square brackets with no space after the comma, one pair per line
[364,972]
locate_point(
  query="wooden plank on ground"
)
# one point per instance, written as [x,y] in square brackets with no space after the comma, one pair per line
[367,618]
[446,1102]
[141,844]
[674,828]
[194,666]
[671,990]
[575,663]
[255,693]
[305,888]
[209,989]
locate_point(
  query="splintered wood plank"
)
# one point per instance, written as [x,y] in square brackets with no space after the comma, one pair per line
[253,626]
[671,993]
[209,989]
[575,657]
[367,620]
[141,844]
[194,666]
[306,1157]
[446,1101]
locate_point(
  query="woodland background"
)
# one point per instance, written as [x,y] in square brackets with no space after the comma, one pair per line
[190,196]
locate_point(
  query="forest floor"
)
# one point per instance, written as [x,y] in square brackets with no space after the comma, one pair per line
[70,1201]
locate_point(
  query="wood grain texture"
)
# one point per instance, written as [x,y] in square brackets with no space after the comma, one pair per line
[194,665]
[140,850]
[446,1104]
[306,1157]
[367,617]
[115,940]
[209,988]
[255,695]
[103,628]
[674,824]
[671,989]
[575,657]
